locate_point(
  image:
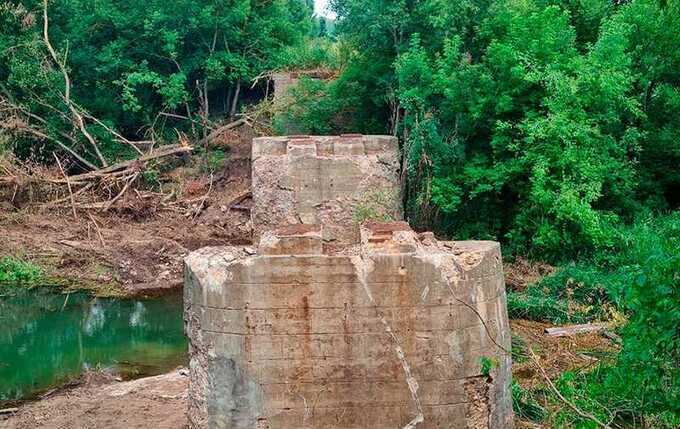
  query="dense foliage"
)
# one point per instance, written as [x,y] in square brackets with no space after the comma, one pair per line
[541,123]
[134,64]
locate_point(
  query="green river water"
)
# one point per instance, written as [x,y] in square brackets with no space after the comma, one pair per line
[48,338]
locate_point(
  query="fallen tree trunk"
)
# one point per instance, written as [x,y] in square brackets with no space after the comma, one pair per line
[567,331]
[222,129]
[107,171]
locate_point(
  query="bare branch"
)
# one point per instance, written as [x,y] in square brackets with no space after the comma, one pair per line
[77,117]
[557,393]
[53,54]
[162,152]
[68,184]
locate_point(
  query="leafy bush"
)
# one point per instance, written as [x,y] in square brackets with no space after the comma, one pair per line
[16,271]
[640,278]
[576,293]
[647,372]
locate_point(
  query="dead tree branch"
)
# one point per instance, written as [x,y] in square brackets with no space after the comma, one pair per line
[68,184]
[113,169]
[561,397]
[224,128]
[77,117]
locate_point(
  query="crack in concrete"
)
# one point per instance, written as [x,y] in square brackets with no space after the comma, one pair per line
[306,415]
[363,266]
[451,276]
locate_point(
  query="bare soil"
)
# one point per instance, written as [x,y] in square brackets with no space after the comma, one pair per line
[154,402]
[137,246]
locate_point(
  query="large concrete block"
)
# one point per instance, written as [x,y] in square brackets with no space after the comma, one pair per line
[327,180]
[388,333]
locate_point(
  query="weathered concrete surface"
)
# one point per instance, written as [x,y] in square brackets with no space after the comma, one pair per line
[333,181]
[386,334]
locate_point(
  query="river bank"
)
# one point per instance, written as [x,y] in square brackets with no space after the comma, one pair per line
[102,402]
[134,247]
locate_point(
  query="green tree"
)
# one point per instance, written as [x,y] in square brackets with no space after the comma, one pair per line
[130,61]
[544,124]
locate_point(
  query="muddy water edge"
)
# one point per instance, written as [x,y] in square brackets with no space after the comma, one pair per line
[48,338]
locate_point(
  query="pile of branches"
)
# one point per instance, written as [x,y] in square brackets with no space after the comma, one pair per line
[25,184]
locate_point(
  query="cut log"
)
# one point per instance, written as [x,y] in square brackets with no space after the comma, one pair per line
[568,331]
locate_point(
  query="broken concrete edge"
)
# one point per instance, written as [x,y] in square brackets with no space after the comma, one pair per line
[488,397]
[331,180]
[330,146]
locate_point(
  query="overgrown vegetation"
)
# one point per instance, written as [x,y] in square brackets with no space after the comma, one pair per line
[551,126]
[638,282]
[100,81]
[540,123]
[17,271]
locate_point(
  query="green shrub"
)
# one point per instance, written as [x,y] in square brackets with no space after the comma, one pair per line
[593,393]
[640,278]
[647,372]
[214,160]
[600,287]
[576,293]
[17,271]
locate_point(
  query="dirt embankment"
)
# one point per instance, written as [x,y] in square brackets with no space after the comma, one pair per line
[136,247]
[154,402]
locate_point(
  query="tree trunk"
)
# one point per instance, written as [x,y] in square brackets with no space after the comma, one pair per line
[234,101]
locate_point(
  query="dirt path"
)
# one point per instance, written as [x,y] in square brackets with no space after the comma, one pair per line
[154,402]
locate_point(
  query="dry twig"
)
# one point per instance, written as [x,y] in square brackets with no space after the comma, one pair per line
[557,393]
[122,192]
[68,184]
[99,233]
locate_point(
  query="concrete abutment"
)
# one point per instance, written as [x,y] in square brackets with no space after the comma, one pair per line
[317,327]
